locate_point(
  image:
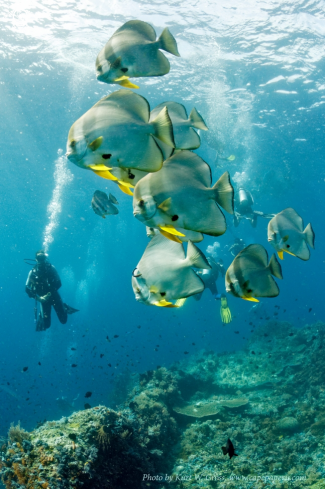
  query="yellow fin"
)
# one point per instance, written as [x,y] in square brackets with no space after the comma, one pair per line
[124,189]
[125,184]
[125,82]
[171,230]
[96,143]
[170,236]
[164,303]
[164,206]
[285,238]
[289,252]
[251,299]
[180,302]
[105,174]
[231,158]
[99,167]
[153,289]
[280,255]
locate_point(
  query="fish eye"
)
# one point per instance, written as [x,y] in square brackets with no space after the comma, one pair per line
[124,70]
[106,157]
[175,217]
[73,143]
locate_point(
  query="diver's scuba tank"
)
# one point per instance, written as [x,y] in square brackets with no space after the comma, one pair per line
[245,200]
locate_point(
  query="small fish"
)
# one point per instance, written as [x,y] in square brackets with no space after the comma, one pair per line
[250,275]
[185,352]
[87,406]
[184,135]
[88,394]
[253,352]
[74,365]
[310,309]
[165,274]
[74,349]
[103,205]
[97,140]
[25,369]
[236,332]
[229,449]
[109,364]
[160,201]
[116,336]
[101,355]
[134,52]
[290,334]
[286,233]
[39,363]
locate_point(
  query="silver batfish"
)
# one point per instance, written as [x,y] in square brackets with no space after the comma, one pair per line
[250,275]
[165,274]
[286,233]
[133,52]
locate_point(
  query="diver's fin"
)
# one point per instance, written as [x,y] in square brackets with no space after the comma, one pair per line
[280,254]
[163,128]
[125,189]
[196,120]
[165,205]
[124,81]
[196,257]
[69,309]
[170,236]
[310,235]
[170,229]
[96,143]
[224,193]
[167,42]
[275,267]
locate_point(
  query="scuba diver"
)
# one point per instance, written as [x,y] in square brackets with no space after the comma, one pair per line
[43,283]
[209,277]
[237,246]
[243,208]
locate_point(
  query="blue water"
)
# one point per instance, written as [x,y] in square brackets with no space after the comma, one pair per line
[255,71]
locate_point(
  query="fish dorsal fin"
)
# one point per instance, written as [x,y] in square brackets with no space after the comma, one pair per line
[113,199]
[197,120]
[196,257]
[175,110]
[255,252]
[128,101]
[96,143]
[192,164]
[139,27]
[275,267]
[291,215]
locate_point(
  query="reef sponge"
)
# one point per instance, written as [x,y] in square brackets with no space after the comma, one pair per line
[199,409]
[287,424]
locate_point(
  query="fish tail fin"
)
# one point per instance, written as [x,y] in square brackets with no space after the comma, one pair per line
[163,128]
[167,42]
[310,235]
[196,257]
[224,193]
[275,267]
[196,120]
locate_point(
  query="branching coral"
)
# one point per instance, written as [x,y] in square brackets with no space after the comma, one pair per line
[17,434]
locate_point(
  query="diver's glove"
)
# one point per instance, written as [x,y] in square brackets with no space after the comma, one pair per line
[43,298]
[225,311]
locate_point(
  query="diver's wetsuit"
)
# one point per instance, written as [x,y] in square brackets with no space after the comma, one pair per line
[44,278]
[209,277]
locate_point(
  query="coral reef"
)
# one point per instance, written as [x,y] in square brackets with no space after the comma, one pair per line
[269,399]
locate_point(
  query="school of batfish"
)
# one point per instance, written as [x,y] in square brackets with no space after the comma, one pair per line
[147,153]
